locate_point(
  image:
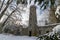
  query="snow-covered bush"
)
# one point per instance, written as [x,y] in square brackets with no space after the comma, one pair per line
[48,37]
[56,29]
[57,13]
[54,35]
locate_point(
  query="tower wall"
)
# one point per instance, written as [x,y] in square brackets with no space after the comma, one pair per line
[33,20]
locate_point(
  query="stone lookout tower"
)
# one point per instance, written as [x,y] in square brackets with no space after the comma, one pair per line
[33,20]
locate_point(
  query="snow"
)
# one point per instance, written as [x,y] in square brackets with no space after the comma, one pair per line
[13,37]
[4,17]
[56,29]
[57,13]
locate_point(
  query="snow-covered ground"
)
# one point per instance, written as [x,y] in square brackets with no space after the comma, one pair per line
[12,37]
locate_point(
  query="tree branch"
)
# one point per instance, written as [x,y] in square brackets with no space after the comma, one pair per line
[8,2]
[2,5]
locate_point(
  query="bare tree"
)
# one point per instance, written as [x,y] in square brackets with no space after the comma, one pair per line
[4,10]
[7,5]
